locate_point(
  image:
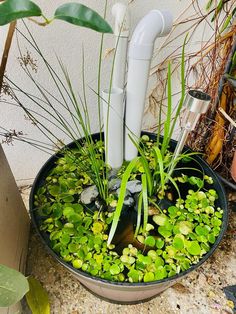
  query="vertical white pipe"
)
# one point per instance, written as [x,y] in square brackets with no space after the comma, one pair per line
[113,115]
[120,63]
[136,95]
[155,24]
[121,32]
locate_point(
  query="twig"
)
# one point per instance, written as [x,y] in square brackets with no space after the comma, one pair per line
[6,52]
[221,110]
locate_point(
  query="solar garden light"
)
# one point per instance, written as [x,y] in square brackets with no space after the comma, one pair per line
[196,103]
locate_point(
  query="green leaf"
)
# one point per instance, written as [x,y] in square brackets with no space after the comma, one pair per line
[160,273]
[145,202]
[194,248]
[11,10]
[218,10]
[140,202]
[164,232]
[160,220]
[159,261]
[114,269]
[196,181]
[150,241]
[178,242]
[147,171]
[13,286]
[54,190]
[134,275]
[167,123]
[145,164]
[149,276]
[181,102]
[226,23]
[119,207]
[37,297]
[185,227]
[173,211]
[159,243]
[160,165]
[211,238]
[80,15]
[209,4]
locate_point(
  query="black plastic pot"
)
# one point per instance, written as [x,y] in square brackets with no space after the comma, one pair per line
[120,292]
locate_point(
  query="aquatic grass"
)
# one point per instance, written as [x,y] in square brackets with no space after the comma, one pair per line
[139,212]
[121,198]
[76,106]
[159,168]
[183,89]
[145,202]
[167,123]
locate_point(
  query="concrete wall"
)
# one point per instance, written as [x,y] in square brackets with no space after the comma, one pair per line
[66,41]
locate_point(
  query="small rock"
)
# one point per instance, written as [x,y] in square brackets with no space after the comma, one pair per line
[112,174]
[89,195]
[127,193]
[114,184]
[98,204]
[129,201]
[134,186]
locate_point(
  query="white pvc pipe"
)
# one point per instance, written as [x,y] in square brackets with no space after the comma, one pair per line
[113,116]
[155,24]
[121,32]
[135,102]
[120,62]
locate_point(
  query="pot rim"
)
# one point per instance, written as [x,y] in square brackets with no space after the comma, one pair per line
[224,225]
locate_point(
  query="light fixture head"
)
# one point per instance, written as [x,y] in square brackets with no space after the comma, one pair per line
[196,103]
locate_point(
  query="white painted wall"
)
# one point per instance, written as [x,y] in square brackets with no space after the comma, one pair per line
[66,41]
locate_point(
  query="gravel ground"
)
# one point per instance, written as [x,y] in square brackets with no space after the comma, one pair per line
[199,293]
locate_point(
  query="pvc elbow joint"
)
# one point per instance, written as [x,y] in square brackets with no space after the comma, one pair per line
[122,19]
[155,24]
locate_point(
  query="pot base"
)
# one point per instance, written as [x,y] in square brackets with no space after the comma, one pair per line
[117,302]
[121,294]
